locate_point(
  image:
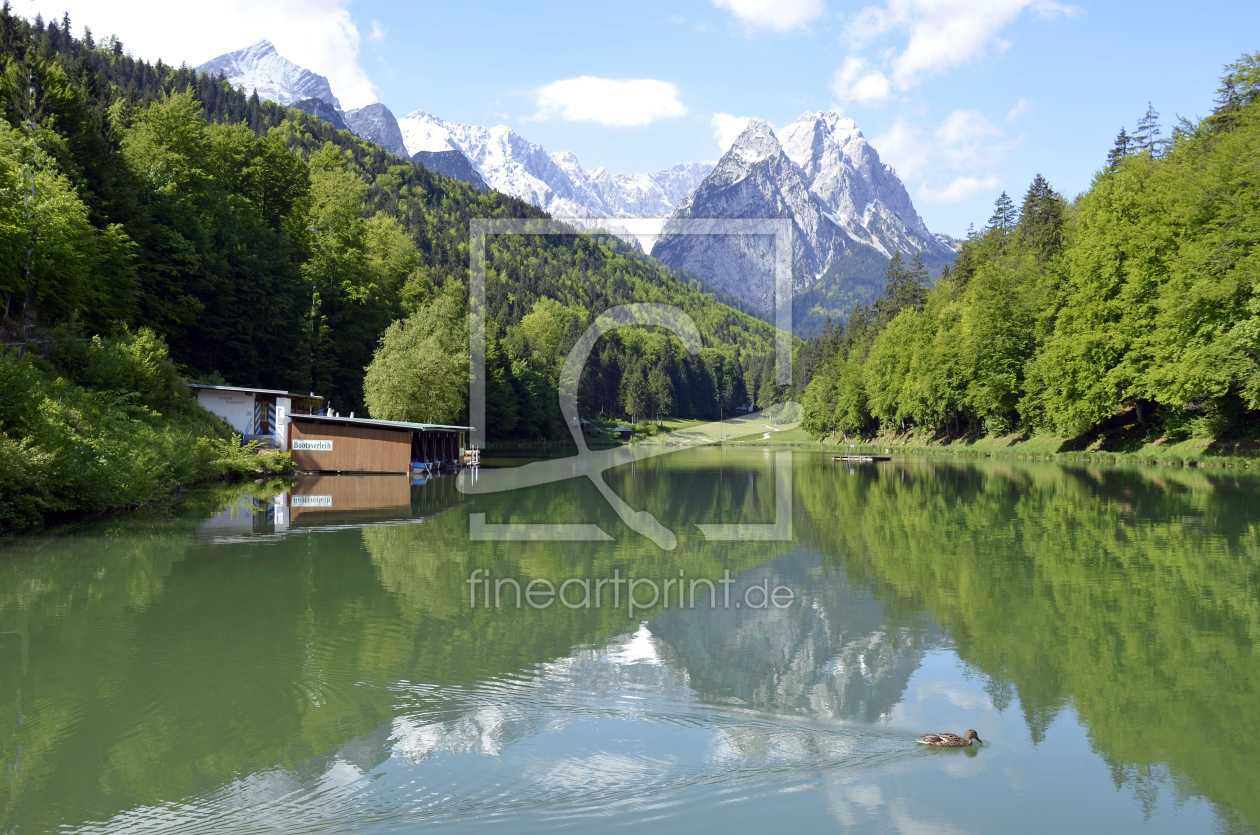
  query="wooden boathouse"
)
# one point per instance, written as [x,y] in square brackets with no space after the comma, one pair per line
[337,444]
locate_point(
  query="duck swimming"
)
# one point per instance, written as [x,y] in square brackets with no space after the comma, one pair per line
[949,740]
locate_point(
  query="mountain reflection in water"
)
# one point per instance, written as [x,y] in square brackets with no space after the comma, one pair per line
[258,663]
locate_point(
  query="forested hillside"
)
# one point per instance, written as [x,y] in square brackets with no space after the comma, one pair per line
[1139,301]
[267,248]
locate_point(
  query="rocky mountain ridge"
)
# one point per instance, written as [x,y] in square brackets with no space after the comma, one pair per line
[850,213]
[555,182]
[260,67]
[849,210]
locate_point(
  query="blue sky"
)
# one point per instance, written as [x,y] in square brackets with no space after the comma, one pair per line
[964,97]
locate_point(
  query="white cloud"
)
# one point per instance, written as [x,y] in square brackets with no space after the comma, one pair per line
[378,33]
[965,149]
[857,81]
[616,102]
[905,147]
[963,139]
[1021,107]
[319,35]
[727,127]
[1050,10]
[775,15]
[943,34]
[962,188]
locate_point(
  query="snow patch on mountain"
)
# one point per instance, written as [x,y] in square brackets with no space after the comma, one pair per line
[843,171]
[821,174]
[259,67]
[556,182]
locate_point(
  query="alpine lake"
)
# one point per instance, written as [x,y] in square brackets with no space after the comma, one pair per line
[311,657]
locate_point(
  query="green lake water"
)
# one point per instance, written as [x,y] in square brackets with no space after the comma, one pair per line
[312,663]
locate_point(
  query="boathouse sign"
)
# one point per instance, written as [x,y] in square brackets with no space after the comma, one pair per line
[312,446]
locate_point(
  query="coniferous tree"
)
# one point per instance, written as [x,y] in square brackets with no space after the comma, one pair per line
[905,288]
[1041,218]
[1119,150]
[1240,86]
[1147,135]
[1004,215]
[918,274]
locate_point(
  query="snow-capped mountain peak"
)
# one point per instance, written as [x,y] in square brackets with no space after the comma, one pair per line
[818,171]
[821,173]
[425,132]
[856,189]
[260,67]
[556,182]
[755,142]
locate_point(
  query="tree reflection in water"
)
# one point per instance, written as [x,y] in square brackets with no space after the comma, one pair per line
[144,663]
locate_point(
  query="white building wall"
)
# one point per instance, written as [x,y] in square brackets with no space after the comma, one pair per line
[236,407]
[284,408]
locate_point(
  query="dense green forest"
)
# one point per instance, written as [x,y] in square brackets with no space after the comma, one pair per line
[271,249]
[256,245]
[1138,301]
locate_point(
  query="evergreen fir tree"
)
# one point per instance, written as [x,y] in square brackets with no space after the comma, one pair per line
[1119,150]
[1041,218]
[1147,135]
[1004,215]
[1240,86]
[918,273]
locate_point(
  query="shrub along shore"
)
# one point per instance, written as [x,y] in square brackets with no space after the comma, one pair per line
[103,425]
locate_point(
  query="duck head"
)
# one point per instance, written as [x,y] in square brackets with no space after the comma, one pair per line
[973,735]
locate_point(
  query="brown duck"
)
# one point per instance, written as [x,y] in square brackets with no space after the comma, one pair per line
[949,740]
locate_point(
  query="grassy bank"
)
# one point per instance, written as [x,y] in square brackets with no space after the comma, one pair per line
[1120,441]
[1237,450]
[106,424]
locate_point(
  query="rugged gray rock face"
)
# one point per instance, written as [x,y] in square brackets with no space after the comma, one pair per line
[321,109]
[826,178]
[259,67]
[858,192]
[849,211]
[754,179]
[451,164]
[376,123]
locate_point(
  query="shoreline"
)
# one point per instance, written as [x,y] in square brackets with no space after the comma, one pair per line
[1033,449]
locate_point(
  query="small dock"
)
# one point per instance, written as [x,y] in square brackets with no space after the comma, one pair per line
[862,459]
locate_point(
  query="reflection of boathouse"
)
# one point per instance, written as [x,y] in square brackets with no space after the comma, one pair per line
[328,498]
